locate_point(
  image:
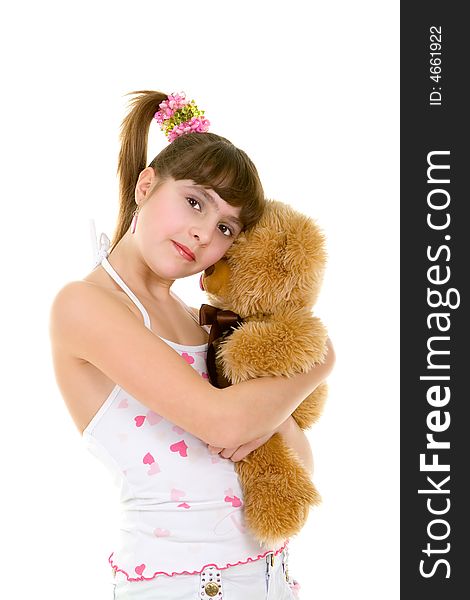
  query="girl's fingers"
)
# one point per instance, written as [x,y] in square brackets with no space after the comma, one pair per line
[240,452]
[224,452]
[227,452]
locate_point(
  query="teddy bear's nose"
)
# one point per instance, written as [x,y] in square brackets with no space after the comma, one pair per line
[209,271]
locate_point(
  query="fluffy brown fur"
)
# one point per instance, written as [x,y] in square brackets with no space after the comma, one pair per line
[271,276]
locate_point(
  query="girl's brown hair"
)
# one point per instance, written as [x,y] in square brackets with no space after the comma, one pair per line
[208,159]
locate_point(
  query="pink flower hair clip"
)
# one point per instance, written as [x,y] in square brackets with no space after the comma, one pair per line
[177,116]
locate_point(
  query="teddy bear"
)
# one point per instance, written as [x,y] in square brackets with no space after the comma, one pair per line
[261,295]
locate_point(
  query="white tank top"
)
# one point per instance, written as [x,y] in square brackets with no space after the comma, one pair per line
[181,507]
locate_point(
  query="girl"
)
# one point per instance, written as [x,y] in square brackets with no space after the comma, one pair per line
[129,358]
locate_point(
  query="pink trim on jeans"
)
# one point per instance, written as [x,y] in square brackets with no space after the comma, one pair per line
[241,562]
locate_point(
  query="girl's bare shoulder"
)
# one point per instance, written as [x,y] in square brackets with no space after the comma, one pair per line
[79,290]
[78,304]
[89,323]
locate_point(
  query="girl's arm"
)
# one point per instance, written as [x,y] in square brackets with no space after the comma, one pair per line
[292,435]
[93,325]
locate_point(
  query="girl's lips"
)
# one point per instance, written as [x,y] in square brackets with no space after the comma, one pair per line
[184,252]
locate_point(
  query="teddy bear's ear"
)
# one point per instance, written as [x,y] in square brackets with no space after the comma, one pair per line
[300,253]
[304,261]
[281,258]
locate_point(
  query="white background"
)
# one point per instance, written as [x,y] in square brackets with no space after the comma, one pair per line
[313,98]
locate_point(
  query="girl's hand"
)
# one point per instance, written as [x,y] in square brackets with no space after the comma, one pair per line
[236,454]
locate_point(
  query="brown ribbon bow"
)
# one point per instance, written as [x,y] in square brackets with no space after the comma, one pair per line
[221,321]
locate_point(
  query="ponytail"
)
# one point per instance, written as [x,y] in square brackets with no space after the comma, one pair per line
[133,154]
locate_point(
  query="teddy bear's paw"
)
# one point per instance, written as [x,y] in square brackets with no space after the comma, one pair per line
[278,491]
[270,519]
[281,347]
[310,410]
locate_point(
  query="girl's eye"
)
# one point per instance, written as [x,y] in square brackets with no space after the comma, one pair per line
[190,200]
[227,229]
[223,228]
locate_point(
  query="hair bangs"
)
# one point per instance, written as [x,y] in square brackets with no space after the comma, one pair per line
[224,168]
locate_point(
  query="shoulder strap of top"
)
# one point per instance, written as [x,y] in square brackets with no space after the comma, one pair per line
[107,266]
[101,252]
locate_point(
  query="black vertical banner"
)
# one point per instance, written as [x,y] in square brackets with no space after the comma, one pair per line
[435,269]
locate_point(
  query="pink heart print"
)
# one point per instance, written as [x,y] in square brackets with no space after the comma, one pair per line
[235,500]
[180,447]
[140,569]
[139,420]
[184,505]
[178,429]
[148,459]
[161,532]
[123,403]
[187,358]
[153,418]
[176,495]
[154,469]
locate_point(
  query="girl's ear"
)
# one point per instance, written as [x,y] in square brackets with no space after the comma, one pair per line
[145,182]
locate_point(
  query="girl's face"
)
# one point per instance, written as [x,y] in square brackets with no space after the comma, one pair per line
[182,213]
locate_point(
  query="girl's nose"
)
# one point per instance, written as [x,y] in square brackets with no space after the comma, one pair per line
[203,234]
